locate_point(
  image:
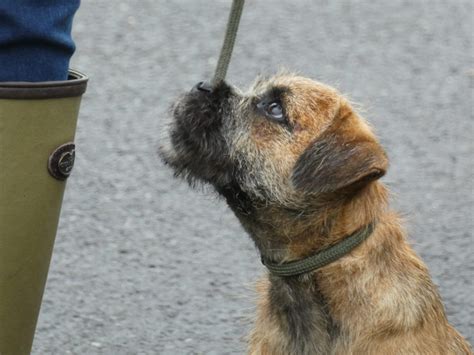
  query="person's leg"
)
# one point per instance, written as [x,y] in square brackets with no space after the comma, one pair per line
[38,114]
[35,39]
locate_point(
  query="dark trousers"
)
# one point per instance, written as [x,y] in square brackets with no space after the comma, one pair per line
[35,39]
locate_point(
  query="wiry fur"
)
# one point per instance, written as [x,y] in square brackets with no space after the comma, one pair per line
[297,188]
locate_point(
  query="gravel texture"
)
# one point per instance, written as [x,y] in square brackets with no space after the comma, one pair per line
[145,265]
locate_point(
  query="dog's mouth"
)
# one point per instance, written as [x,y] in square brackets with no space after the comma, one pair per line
[198,149]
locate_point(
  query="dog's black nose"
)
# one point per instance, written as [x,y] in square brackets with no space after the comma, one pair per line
[202,86]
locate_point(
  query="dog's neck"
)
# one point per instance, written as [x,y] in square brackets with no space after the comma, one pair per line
[350,295]
[282,234]
[328,225]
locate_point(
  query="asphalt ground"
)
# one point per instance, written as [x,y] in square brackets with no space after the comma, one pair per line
[143,264]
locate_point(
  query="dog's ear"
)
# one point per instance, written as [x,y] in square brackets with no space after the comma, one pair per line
[345,158]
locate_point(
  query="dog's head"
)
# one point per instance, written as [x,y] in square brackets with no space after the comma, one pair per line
[286,142]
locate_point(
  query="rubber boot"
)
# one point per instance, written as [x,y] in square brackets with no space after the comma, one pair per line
[37,127]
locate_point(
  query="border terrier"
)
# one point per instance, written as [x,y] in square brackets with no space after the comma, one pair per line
[300,169]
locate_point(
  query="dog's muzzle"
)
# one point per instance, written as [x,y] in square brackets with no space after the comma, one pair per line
[202,86]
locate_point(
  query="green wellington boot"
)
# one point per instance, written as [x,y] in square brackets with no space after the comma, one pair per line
[37,127]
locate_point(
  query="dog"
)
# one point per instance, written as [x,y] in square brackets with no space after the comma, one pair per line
[300,169]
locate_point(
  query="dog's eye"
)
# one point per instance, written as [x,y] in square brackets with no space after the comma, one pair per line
[272,109]
[275,111]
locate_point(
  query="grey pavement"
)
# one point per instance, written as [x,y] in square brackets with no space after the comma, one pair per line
[145,265]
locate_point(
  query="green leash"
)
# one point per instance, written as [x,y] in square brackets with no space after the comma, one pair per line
[322,258]
[327,255]
[229,40]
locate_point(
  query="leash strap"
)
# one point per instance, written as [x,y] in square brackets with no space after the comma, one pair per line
[322,258]
[229,40]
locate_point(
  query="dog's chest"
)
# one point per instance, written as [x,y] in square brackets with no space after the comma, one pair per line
[301,317]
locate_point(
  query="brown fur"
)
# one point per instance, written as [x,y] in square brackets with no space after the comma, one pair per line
[297,188]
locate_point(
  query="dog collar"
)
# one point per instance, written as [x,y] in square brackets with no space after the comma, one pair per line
[323,258]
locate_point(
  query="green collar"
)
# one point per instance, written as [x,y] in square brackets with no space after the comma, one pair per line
[323,258]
